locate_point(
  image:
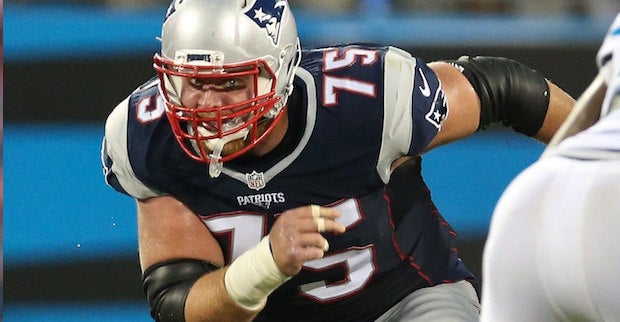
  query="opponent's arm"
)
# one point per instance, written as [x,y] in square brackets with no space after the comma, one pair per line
[485,90]
[184,277]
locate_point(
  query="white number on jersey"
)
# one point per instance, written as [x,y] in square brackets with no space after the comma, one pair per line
[150,109]
[246,231]
[332,84]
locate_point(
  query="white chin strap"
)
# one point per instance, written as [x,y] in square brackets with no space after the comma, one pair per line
[216,146]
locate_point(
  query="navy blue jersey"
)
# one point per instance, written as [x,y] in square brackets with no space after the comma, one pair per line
[355,109]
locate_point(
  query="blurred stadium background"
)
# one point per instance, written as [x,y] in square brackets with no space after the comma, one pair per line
[70,246]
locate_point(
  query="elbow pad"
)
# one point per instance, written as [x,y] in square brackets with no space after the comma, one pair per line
[509,91]
[167,285]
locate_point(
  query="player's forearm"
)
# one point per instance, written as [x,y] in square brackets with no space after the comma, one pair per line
[239,291]
[208,300]
[560,105]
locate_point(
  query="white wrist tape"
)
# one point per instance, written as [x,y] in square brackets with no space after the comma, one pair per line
[253,276]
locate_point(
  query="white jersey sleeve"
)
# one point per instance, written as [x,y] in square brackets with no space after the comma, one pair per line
[115,158]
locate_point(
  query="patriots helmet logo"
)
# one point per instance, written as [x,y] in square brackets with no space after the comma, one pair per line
[267,14]
[172,8]
[438,110]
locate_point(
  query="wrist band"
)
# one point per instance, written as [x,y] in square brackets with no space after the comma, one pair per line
[253,276]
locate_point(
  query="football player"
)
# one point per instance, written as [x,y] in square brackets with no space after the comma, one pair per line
[267,177]
[551,253]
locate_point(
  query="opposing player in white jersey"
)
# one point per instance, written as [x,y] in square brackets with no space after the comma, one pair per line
[552,253]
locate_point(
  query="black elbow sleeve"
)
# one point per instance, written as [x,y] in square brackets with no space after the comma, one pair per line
[167,285]
[509,91]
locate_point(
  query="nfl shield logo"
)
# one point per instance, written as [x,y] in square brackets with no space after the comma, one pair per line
[255,180]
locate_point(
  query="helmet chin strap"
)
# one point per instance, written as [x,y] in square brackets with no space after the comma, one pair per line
[216,146]
[215,165]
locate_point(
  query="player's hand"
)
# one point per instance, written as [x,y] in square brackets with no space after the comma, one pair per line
[296,236]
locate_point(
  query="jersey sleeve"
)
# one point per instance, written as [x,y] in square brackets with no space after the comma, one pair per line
[117,168]
[415,107]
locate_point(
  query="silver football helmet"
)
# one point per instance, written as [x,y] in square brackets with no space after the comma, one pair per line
[215,39]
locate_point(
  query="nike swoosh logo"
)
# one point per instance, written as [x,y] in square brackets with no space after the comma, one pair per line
[425,90]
